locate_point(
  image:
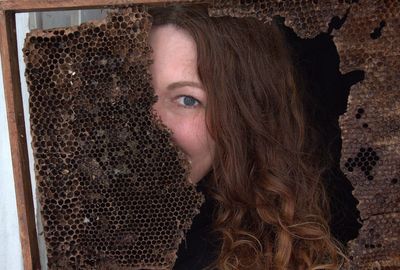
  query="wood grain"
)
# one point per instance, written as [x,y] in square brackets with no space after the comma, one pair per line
[31,5]
[16,126]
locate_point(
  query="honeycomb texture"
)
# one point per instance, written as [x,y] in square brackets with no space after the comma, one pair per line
[307,18]
[368,40]
[111,183]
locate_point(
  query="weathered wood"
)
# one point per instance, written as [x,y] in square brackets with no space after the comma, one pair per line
[31,5]
[16,126]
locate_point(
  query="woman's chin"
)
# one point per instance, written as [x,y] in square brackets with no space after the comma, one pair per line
[194,178]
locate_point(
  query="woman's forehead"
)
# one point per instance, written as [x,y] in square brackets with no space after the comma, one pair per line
[174,54]
[169,38]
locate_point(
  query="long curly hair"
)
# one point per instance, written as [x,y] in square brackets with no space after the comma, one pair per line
[272,211]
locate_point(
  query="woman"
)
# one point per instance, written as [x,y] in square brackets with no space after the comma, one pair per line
[226,89]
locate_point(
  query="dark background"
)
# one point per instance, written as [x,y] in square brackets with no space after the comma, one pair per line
[326,92]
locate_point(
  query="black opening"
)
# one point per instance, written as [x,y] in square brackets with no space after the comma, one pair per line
[326,90]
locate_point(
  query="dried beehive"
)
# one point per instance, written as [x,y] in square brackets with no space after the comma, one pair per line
[111,184]
[368,40]
[372,121]
[370,127]
[307,18]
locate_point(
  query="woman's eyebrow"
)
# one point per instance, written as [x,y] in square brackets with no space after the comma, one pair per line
[179,84]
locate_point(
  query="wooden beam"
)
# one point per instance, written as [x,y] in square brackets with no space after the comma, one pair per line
[19,151]
[41,5]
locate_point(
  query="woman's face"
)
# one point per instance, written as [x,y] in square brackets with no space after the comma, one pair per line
[181,99]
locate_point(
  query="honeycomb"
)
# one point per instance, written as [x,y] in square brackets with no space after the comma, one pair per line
[369,41]
[367,36]
[111,183]
[306,17]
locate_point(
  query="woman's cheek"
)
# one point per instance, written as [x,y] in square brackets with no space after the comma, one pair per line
[190,134]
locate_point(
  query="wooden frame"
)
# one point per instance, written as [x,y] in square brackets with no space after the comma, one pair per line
[12,88]
[14,107]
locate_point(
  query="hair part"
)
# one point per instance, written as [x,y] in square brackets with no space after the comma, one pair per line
[272,211]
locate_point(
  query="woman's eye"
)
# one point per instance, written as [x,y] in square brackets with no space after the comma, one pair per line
[188,101]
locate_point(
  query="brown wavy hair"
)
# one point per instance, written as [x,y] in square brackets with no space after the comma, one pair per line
[272,211]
